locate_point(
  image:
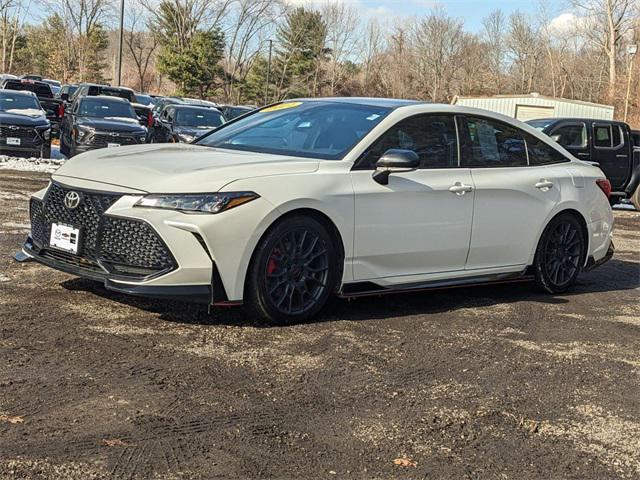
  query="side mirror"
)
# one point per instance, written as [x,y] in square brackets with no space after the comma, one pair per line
[395,160]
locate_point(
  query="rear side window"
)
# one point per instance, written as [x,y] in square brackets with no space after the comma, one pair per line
[432,137]
[490,143]
[574,136]
[542,154]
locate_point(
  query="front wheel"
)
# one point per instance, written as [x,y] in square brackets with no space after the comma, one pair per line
[560,254]
[293,272]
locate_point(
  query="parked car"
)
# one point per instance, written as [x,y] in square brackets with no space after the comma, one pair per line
[162,102]
[146,100]
[55,86]
[66,92]
[99,122]
[199,102]
[32,77]
[24,128]
[232,111]
[605,142]
[184,123]
[143,112]
[307,198]
[53,107]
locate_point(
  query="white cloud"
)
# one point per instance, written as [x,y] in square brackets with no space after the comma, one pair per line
[566,24]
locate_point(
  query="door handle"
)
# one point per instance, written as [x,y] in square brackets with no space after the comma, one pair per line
[621,156]
[583,154]
[460,188]
[544,185]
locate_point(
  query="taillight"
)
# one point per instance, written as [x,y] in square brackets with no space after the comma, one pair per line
[149,119]
[605,186]
[61,110]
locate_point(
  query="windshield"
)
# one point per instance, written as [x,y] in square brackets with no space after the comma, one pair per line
[9,102]
[116,92]
[325,130]
[144,99]
[93,107]
[198,118]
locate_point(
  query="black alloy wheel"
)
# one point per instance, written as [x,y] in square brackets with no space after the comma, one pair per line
[293,273]
[560,255]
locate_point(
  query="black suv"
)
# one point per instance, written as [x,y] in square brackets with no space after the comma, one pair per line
[99,122]
[184,123]
[24,128]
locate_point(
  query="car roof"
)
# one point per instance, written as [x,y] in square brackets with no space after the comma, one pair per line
[572,119]
[104,97]
[369,101]
[186,106]
[20,93]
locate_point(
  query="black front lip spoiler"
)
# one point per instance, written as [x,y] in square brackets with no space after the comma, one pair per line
[187,293]
[591,263]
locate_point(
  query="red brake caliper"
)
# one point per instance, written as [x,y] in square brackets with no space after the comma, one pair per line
[272,264]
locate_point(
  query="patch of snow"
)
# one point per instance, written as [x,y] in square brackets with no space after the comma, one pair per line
[4,278]
[34,164]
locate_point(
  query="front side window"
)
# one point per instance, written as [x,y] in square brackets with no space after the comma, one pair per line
[602,136]
[490,143]
[542,154]
[315,129]
[572,136]
[432,137]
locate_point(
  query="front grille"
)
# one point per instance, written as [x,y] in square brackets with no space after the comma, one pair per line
[102,139]
[125,247]
[17,132]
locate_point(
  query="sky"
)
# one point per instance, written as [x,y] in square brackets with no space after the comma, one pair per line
[470,11]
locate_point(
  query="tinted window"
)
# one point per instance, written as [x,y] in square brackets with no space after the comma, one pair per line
[41,90]
[95,107]
[198,118]
[489,143]
[571,135]
[602,136]
[432,137]
[116,92]
[314,129]
[542,154]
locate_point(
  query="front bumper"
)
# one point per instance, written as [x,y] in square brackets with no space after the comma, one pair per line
[209,294]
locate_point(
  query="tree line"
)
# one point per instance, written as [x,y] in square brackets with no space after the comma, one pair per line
[219,49]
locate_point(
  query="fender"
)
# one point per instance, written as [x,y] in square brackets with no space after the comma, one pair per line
[634,181]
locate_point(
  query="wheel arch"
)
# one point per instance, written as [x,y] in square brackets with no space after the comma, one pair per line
[314,213]
[578,216]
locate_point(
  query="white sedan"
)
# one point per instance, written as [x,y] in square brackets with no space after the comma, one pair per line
[295,202]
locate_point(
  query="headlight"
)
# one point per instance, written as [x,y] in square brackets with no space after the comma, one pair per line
[83,131]
[185,137]
[197,202]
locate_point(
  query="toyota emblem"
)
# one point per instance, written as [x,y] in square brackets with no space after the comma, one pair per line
[72,200]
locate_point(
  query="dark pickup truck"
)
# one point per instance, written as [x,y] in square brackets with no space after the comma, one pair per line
[53,107]
[608,143]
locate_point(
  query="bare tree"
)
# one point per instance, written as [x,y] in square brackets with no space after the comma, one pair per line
[342,29]
[607,22]
[525,51]
[494,34]
[141,44]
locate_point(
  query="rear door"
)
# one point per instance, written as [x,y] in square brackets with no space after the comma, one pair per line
[512,199]
[611,152]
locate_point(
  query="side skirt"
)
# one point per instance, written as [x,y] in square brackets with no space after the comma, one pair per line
[364,289]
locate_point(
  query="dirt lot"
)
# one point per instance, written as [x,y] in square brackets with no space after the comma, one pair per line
[487,382]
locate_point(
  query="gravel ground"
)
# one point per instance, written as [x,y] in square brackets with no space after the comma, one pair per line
[486,382]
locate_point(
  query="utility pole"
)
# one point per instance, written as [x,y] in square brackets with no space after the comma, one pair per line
[631,50]
[119,70]
[266,83]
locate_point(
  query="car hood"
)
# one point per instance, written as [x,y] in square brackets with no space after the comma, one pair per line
[23,118]
[193,131]
[121,124]
[176,168]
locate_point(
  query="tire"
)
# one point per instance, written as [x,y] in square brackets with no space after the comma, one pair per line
[560,254]
[635,198]
[293,272]
[64,150]
[46,151]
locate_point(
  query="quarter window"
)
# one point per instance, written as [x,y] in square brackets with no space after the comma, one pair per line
[489,143]
[573,136]
[432,137]
[542,154]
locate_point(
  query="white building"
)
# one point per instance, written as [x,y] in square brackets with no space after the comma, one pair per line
[532,106]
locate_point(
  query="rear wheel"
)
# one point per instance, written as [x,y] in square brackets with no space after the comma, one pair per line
[293,273]
[560,254]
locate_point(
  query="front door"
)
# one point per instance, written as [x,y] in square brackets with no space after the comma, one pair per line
[611,153]
[420,223]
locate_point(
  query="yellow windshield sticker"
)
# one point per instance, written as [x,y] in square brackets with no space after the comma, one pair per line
[281,106]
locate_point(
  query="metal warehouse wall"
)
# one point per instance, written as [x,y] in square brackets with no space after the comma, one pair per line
[561,107]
